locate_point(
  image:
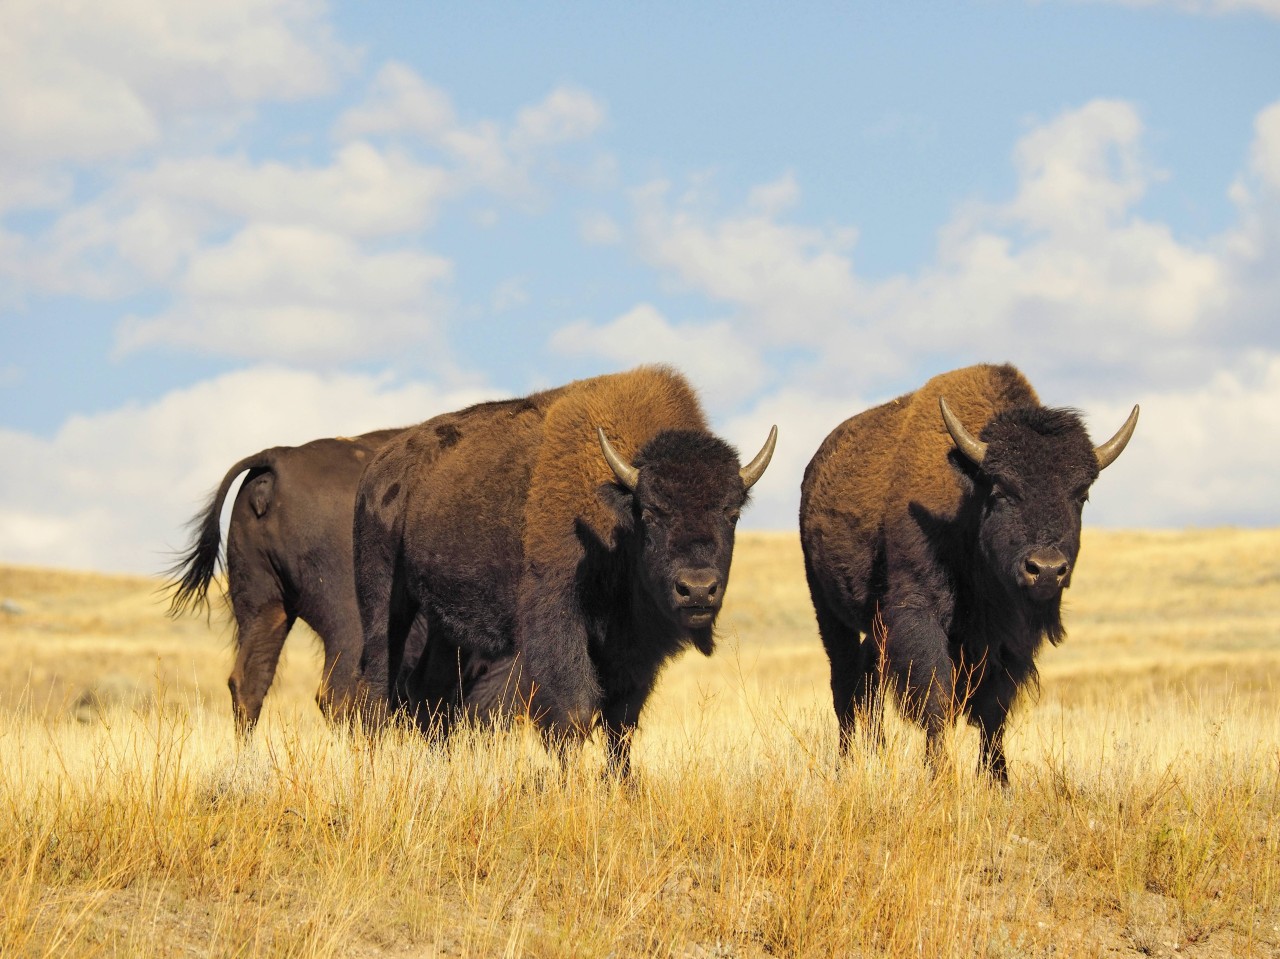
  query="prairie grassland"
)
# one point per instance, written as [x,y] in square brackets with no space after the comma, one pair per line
[1143,817]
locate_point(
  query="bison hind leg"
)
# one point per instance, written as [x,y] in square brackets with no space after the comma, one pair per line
[260,635]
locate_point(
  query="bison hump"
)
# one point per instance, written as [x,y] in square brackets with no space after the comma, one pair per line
[570,471]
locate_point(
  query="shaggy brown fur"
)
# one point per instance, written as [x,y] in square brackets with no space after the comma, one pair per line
[963,563]
[503,527]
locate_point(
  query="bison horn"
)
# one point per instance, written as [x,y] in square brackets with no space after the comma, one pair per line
[1108,451]
[627,474]
[755,469]
[970,446]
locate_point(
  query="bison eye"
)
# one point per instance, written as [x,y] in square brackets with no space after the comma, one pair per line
[1002,495]
[731,513]
[650,516]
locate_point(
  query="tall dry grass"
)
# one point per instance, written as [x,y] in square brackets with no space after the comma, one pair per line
[1143,818]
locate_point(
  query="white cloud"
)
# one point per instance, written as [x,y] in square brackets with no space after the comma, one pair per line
[499,157]
[114,490]
[726,369]
[1081,171]
[303,295]
[1201,456]
[399,101]
[1064,273]
[1269,8]
[564,115]
[143,230]
[83,82]
[791,282]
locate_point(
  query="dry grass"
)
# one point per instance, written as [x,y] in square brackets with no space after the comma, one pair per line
[1143,819]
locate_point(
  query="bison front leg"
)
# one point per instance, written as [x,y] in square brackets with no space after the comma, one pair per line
[553,641]
[915,651]
[988,710]
[620,716]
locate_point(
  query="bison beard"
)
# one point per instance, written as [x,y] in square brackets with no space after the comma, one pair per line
[590,528]
[936,558]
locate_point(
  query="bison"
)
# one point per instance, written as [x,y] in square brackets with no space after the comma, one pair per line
[939,531]
[289,557]
[589,528]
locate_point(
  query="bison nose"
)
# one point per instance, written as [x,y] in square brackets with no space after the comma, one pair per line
[697,587]
[1045,567]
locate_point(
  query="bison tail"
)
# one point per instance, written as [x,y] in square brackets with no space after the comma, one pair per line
[189,578]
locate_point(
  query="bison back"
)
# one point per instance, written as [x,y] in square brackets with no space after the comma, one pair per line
[565,500]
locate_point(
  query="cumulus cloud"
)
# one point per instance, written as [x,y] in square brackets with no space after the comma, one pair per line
[114,490]
[84,82]
[401,105]
[265,259]
[306,295]
[1200,456]
[1064,273]
[790,281]
[726,369]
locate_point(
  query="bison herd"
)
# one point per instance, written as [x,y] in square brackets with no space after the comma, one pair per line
[546,556]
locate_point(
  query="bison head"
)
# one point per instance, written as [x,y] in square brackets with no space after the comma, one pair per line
[1033,469]
[686,491]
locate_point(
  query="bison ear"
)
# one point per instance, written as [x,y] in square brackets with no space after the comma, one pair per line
[620,503]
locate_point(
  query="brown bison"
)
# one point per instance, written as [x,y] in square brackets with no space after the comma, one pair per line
[939,531]
[289,557]
[588,527]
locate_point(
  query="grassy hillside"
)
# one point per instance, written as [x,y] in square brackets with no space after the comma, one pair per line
[1143,819]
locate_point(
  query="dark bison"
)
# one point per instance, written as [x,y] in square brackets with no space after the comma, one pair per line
[289,557]
[939,531]
[589,527]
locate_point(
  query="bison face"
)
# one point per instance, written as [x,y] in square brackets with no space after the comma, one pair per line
[1033,469]
[1029,531]
[687,491]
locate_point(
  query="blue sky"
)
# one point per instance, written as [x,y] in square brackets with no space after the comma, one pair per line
[229,228]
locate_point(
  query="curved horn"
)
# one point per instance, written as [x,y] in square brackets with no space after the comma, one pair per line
[1108,451]
[970,446]
[755,469]
[627,474]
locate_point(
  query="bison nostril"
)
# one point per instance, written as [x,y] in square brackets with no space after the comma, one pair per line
[697,588]
[1047,564]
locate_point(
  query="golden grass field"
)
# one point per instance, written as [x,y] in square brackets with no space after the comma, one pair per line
[1143,817]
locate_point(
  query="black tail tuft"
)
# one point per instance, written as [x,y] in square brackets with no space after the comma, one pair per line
[190,577]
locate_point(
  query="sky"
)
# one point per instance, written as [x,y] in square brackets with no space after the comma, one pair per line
[231,226]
